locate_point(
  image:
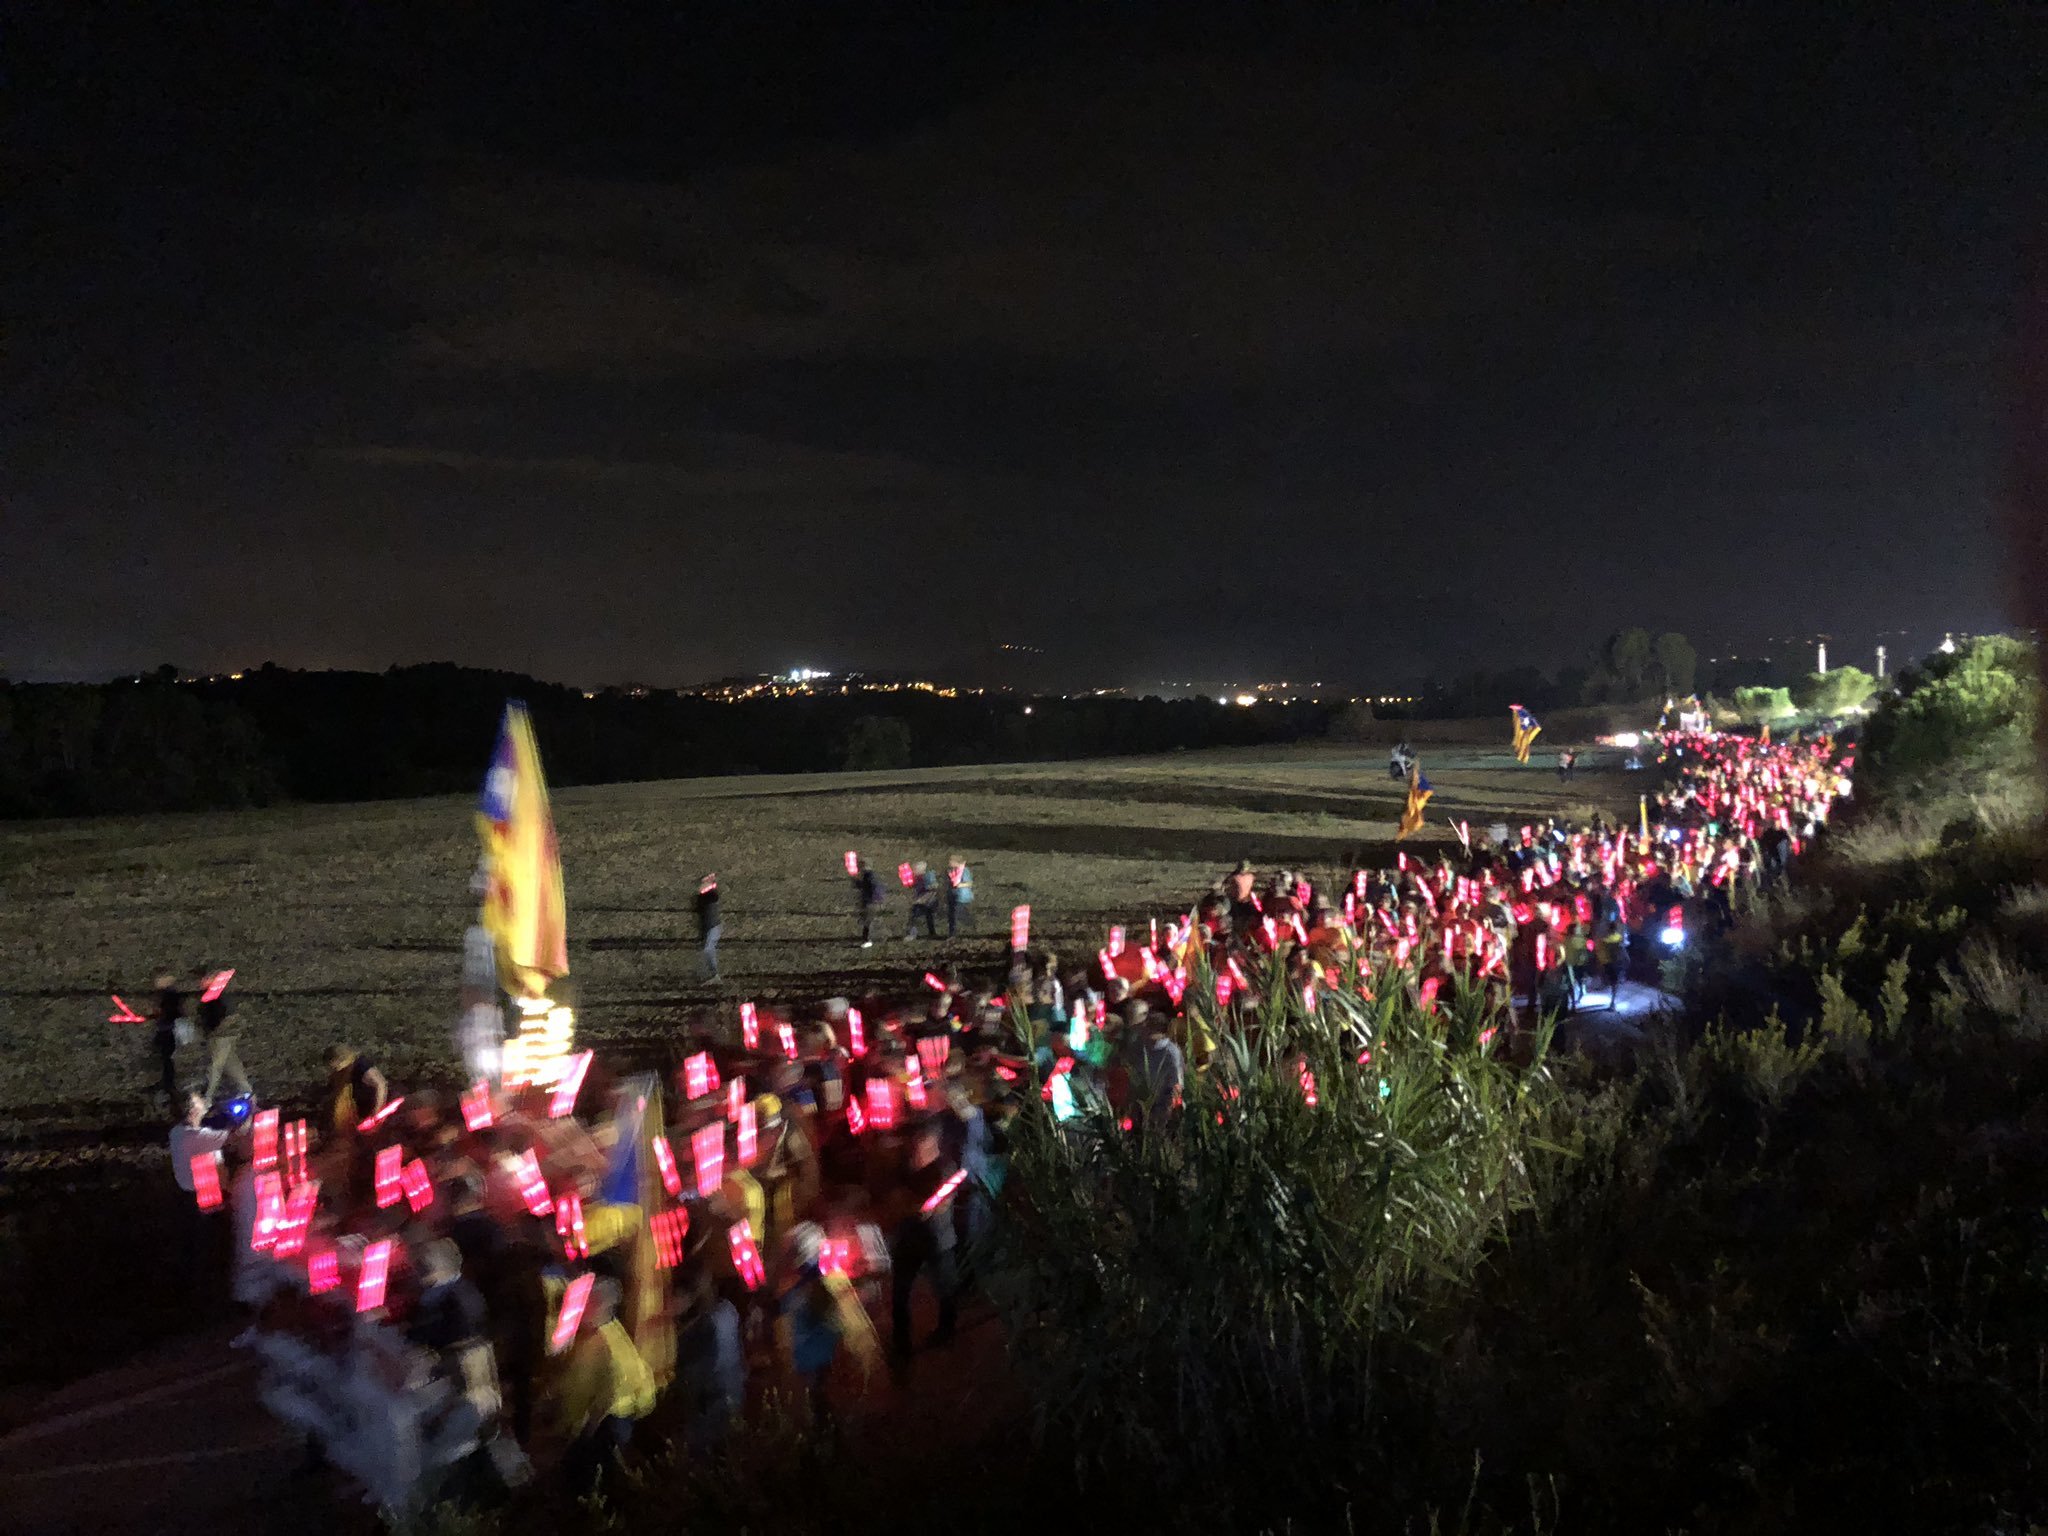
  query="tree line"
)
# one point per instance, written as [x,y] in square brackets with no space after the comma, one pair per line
[158,744]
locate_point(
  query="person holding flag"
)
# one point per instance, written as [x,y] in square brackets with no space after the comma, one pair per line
[1419,791]
[1526,731]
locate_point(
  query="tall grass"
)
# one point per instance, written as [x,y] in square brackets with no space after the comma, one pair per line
[1219,1291]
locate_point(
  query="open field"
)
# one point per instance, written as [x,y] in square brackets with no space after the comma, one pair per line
[345,922]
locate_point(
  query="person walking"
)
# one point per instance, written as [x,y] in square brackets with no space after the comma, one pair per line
[709,926]
[170,1013]
[923,1240]
[222,1058]
[959,896]
[924,901]
[868,898]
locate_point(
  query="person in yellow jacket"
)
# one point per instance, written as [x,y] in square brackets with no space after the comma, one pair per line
[604,1389]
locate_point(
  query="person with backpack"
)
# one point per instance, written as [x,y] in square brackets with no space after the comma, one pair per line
[868,899]
[959,896]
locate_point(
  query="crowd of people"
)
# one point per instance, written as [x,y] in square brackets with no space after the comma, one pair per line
[527,1268]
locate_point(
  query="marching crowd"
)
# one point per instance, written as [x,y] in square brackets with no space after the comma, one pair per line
[539,1261]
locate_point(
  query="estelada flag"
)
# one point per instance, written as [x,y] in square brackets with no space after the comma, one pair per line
[524,911]
[1526,730]
[1419,791]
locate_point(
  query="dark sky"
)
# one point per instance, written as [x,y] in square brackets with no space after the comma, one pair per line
[1175,341]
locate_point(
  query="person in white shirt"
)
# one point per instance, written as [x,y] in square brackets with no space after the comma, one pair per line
[199,1231]
[191,1138]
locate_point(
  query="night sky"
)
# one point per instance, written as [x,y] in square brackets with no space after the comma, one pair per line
[1173,342]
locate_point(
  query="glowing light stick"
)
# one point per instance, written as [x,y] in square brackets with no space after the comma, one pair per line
[913,1085]
[700,1075]
[375,1271]
[380,1117]
[1116,940]
[944,1192]
[389,1160]
[1272,932]
[122,1013]
[264,1132]
[746,1258]
[855,1122]
[1061,1092]
[569,1225]
[852,862]
[735,1096]
[903,873]
[206,1180]
[477,1111]
[564,1099]
[216,984]
[933,1051]
[1108,965]
[570,1318]
[418,1184]
[933,982]
[750,1027]
[748,1136]
[833,1255]
[669,1228]
[665,1165]
[881,1103]
[1224,985]
[533,1189]
[323,1272]
[1020,927]
[1430,986]
[856,1033]
[297,1220]
[1308,1086]
[707,1150]
[787,1035]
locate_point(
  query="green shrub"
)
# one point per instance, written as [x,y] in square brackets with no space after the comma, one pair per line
[1970,711]
[1760,706]
[1834,692]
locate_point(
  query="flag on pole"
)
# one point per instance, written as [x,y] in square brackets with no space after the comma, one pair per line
[524,911]
[1526,731]
[1419,791]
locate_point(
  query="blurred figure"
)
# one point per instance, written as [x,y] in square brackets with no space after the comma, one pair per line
[222,1058]
[868,898]
[356,1090]
[711,1361]
[605,1388]
[924,901]
[1157,1067]
[198,1230]
[170,1013]
[923,1240]
[959,896]
[709,926]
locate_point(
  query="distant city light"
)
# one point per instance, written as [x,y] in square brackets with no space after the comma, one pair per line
[1246,700]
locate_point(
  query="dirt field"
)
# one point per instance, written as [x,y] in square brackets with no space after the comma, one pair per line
[344,922]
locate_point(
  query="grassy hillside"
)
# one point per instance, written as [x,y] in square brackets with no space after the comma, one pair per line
[345,921]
